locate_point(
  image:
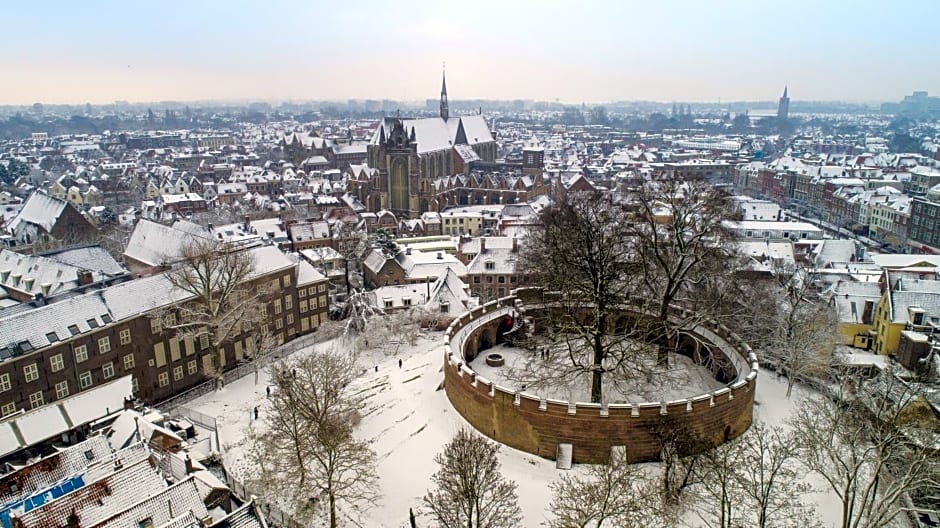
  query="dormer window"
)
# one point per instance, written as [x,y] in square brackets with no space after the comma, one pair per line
[490,265]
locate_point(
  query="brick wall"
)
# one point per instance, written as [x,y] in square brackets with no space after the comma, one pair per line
[538,426]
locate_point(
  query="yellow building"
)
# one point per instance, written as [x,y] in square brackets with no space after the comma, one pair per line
[908,303]
[457,222]
[855,304]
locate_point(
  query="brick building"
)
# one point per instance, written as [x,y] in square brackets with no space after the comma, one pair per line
[71,345]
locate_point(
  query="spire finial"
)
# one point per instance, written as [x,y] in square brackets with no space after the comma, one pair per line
[445,110]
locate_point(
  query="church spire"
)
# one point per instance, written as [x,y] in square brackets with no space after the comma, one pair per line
[785,90]
[445,110]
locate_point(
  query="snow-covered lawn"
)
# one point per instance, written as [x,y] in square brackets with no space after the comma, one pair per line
[408,420]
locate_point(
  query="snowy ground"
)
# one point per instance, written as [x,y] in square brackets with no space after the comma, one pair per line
[408,420]
[681,379]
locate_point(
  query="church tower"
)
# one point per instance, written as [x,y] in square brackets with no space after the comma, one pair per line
[783,107]
[445,110]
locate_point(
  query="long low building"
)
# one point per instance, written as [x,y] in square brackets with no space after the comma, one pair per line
[71,345]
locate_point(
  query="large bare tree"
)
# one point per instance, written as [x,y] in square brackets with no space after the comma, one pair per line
[580,249]
[470,491]
[308,449]
[678,233]
[871,446]
[223,304]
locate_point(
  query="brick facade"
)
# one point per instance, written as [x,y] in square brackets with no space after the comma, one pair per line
[524,422]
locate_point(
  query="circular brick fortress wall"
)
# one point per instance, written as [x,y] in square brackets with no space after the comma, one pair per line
[538,425]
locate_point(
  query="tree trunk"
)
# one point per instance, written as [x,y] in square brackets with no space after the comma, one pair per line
[597,371]
[217,360]
[332,510]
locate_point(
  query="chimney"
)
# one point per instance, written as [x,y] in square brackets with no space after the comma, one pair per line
[4,274]
[482,245]
[85,277]
[515,244]
[45,287]
[189,465]
[440,256]
[408,250]
[28,283]
[210,227]
[15,279]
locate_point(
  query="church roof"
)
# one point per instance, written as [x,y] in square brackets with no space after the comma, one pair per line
[434,133]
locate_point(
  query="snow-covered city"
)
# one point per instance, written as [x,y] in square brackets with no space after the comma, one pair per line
[491,265]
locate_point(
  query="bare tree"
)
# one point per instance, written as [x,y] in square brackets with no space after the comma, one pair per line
[678,234]
[868,445]
[470,491]
[618,494]
[802,332]
[580,250]
[753,480]
[223,303]
[309,443]
[263,345]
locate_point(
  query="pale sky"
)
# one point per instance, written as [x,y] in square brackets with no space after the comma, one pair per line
[98,51]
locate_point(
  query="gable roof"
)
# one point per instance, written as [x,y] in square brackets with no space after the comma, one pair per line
[40,209]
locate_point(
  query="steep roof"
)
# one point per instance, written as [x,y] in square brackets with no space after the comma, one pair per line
[40,209]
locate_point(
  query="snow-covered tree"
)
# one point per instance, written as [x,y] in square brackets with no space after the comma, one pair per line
[872,447]
[223,305]
[308,451]
[614,495]
[470,491]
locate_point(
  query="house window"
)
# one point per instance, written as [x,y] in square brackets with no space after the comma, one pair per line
[313,303]
[155,325]
[134,385]
[170,319]
[275,285]
[406,302]
[387,303]
[125,336]
[277,306]
[178,373]
[56,363]
[501,279]
[81,353]
[107,370]
[490,265]
[286,280]
[203,341]
[322,288]
[288,303]
[8,408]
[129,361]
[279,324]
[163,379]
[35,400]
[31,372]
[303,306]
[61,389]
[476,279]
[304,324]
[445,307]
[84,379]
[191,367]
[290,318]
[104,344]
[4,382]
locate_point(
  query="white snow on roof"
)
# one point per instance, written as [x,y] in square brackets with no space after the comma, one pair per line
[40,209]
[61,416]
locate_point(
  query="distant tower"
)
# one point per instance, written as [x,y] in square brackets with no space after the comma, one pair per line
[445,110]
[783,108]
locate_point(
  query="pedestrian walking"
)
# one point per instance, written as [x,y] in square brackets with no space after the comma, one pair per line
[268,390]
[399,362]
[256,413]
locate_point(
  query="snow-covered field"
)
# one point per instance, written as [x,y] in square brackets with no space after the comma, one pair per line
[408,420]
